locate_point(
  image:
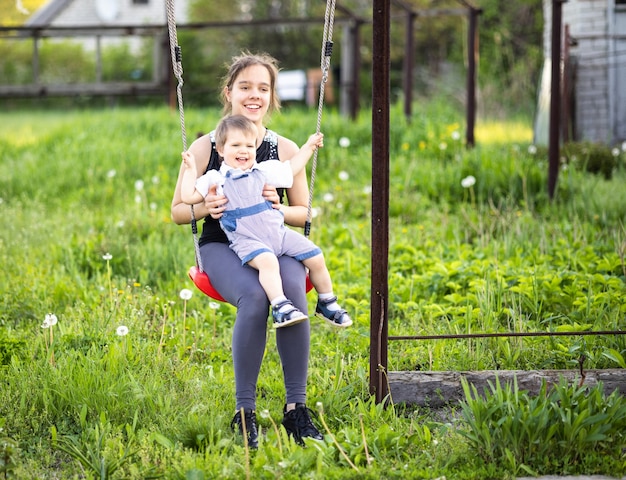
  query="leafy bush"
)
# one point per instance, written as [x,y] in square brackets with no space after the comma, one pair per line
[564,428]
[591,157]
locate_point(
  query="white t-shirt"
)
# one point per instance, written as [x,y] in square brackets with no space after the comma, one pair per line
[277,173]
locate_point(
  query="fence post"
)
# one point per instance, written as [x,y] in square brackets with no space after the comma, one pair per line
[380,200]
[555,98]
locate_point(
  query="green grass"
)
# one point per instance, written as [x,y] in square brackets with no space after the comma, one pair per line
[79,401]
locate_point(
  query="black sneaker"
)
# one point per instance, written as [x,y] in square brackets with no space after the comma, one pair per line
[250,420]
[298,423]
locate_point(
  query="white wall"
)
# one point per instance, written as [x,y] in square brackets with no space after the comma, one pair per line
[588,23]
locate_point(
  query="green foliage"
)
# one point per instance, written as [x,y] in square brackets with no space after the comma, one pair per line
[8,452]
[561,428]
[87,235]
[94,447]
[591,157]
[510,40]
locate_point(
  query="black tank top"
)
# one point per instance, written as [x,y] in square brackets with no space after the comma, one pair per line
[268,150]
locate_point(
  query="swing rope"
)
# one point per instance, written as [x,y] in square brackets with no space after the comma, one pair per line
[327,50]
[177,66]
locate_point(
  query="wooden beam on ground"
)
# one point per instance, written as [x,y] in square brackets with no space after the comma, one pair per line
[439,389]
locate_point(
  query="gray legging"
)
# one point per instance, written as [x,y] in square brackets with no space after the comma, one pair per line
[240,286]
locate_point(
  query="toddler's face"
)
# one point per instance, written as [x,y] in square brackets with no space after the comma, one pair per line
[239,150]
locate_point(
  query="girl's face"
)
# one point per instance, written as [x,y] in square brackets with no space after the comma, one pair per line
[251,93]
[239,150]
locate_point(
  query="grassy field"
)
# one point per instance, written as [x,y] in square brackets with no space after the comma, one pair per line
[87,241]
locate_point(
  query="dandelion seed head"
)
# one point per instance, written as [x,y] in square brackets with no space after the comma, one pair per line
[111,173]
[45,324]
[456,135]
[139,185]
[315,212]
[51,319]
[443,146]
[107,257]
[137,198]
[186,294]
[468,181]
[264,413]
[155,180]
[328,197]
[120,224]
[615,152]
[344,142]
[214,305]
[343,175]
[532,149]
[367,189]
[153,206]
[122,330]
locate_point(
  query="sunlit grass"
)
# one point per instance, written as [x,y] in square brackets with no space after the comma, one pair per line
[490,132]
[84,202]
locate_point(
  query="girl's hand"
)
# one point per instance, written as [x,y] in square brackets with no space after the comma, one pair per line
[216,204]
[271,195]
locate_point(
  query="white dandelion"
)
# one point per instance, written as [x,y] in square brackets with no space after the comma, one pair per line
[122,330]
[186,294]
[468,181]
[51,319]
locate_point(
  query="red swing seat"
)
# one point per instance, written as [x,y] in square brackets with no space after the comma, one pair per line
[202,281]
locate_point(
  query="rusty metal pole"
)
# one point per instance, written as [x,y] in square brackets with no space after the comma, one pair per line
[472,60]
[409,56]
[380,199]
[555,98]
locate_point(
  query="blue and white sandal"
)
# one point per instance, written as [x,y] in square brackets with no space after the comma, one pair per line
[337,318]
[287,317]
